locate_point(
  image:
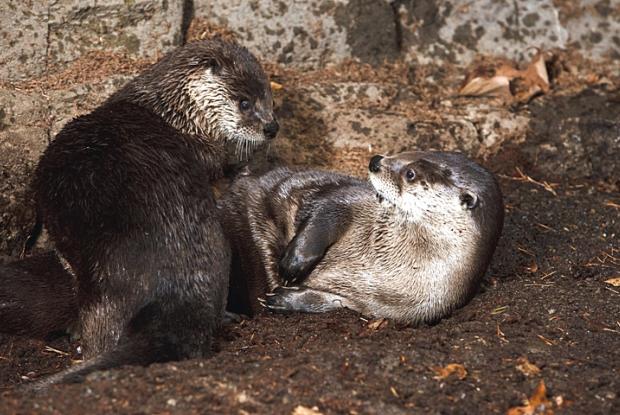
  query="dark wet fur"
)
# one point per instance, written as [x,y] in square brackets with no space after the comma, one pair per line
[281,226]
[37,297]
[125,194]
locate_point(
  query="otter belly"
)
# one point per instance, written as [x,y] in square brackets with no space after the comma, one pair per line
[409,290]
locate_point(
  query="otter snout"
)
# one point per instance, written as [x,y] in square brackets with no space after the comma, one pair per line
[375,164]
[271,129]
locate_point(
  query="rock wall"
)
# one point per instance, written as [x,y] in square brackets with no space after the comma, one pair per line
[318,32]
[38,36]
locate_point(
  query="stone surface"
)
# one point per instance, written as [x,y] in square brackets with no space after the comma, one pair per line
[23,39]
[144,28]
[51,34]
[23,137]
[302,33]
[456,32]
[311,34]
[321,121]
[594,27]
[37,36]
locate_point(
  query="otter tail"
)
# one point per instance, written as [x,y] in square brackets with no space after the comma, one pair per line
[134,352]
[36,297]
[154,335]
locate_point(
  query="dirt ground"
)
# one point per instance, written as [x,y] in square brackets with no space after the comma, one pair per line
[544,327]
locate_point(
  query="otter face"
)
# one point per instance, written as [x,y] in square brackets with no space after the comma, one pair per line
[421,189]
[234,95]
[214,89]
[236,109]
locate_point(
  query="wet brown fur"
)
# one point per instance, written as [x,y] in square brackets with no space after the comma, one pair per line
[330,239]
[125,194]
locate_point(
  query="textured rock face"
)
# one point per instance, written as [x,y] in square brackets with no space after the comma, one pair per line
[298,32]
[593,26]
[23,39]
[38,35]
[312,33]
[457,31]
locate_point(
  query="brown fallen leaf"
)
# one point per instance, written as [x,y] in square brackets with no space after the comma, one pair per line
[528,369]
[488,79]
[276,86]
[538,404]
[444,372]
[378,324]
[504,79]
[614,281]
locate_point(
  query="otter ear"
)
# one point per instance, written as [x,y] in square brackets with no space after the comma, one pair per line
[469,200]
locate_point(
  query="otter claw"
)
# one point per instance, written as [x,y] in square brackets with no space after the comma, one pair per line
[291,288]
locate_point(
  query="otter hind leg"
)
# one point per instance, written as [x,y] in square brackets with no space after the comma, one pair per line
[304,299]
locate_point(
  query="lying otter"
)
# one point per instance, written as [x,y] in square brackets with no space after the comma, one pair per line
[125,194]
[412,244]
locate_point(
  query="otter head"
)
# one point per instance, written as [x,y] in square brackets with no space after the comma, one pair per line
[438,189]
[213,89]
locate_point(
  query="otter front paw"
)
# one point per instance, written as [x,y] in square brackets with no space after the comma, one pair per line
[279,300]
[296,265]
[304,299]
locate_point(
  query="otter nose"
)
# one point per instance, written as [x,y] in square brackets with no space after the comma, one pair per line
[271,129]
[375,163]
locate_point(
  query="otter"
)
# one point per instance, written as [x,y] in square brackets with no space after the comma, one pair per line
[125,195]
[411,244]
[37,297]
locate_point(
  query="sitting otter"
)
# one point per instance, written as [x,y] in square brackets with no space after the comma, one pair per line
[125,194]
[412,244]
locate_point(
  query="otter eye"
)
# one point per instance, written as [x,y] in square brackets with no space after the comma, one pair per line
[244,105]
[410,175]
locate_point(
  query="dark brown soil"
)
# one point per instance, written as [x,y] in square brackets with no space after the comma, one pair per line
[545,314]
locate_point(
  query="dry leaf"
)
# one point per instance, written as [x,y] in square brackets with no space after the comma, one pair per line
[614,281]
[378,324]
[491,80]
[504,79]
[302,410]
[444,372]
[527,368]
[276,86]
[538,404]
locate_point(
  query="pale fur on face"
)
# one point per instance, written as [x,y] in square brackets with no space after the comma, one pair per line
[218,115]
[437,204]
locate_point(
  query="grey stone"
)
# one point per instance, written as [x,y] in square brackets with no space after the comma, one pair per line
[39,36]
[311,34]
[23,39]
[328,118]
[302,33]
[23,137]
[435,31]
[595,28]
[144,28]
